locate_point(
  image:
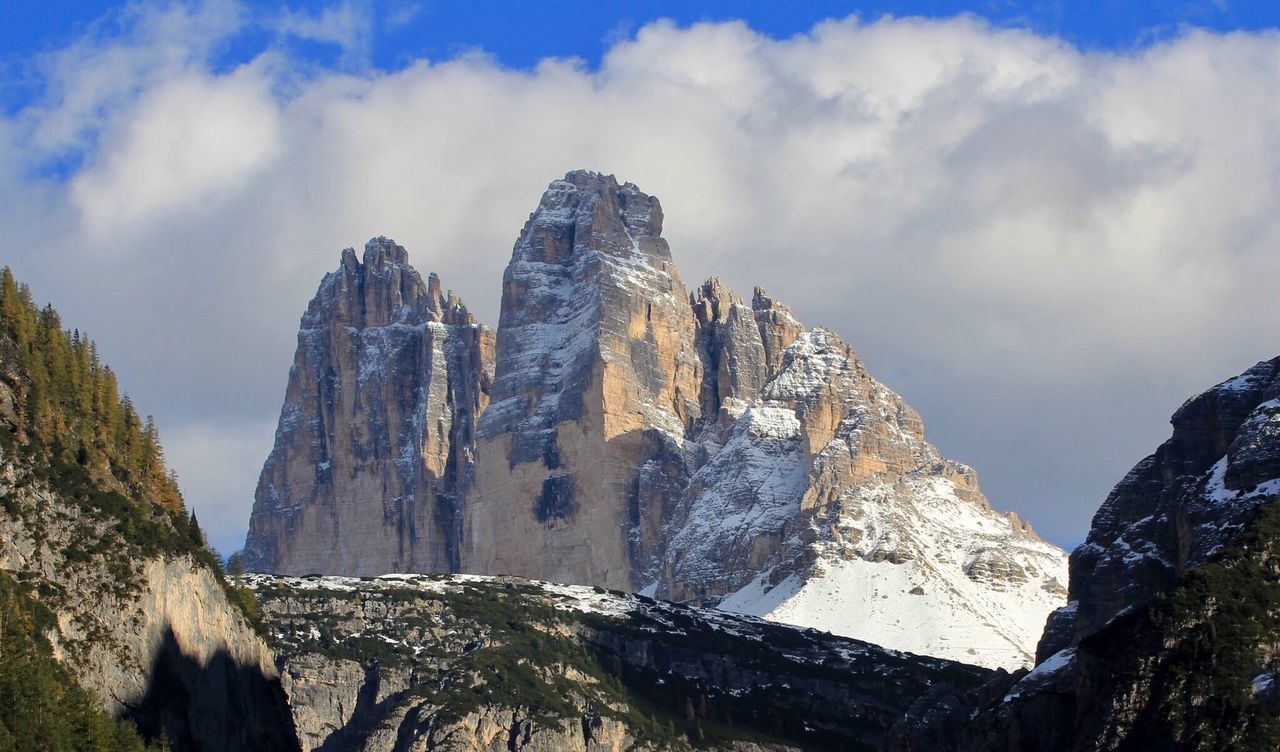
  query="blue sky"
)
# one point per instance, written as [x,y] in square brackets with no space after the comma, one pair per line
[1044,224]
[520,34]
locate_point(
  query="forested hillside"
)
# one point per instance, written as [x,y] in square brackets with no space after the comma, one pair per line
[69,404]
[111,603]
[41,705]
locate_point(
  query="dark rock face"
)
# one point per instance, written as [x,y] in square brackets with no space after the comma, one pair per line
[218,704]
[1178,506]
[1169,640]
[375,434]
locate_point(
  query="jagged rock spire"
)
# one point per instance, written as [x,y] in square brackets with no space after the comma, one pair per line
[375,432]
[597,373]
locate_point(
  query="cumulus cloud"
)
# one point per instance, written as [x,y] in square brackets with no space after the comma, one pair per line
[191,140]
[1044,249]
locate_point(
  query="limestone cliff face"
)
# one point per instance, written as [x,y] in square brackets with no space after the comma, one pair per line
[597,374]
[154,637]
[374,438]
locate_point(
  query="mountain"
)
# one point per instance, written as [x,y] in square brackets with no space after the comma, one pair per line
[376,431]
[111,606]
[635,435]
[1178,507]
[1169,638]
[597,376]
[463,662]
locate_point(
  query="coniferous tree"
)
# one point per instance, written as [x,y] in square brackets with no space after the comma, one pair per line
[70,402]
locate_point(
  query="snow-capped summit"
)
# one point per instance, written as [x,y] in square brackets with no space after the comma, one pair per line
[822,504]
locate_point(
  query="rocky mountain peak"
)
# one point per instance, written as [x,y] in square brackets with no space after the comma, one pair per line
[382,290]
[382,252]
[596,374]
[374,436]
[586,213]
[697,446]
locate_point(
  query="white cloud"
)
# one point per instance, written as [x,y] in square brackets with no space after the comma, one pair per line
[1045,249]
[191,140]
[348,24]
[120,58]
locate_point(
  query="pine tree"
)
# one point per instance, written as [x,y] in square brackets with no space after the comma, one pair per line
[194,532]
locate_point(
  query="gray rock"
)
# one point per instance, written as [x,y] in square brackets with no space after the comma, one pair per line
[375,436]
[1177,506]
[485,663]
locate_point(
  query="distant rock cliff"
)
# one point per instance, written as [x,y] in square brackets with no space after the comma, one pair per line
[376,431]
[695,446]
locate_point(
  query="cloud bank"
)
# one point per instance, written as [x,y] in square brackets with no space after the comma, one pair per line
[1044,249]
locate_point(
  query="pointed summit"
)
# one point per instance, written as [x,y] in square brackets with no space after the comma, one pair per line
[381,252]
[596,370]
[587,212]
[376,427]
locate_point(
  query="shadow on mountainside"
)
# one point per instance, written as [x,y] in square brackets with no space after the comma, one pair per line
[220,705]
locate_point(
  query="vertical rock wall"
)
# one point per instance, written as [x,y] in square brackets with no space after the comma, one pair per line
[375,433]
[597,373]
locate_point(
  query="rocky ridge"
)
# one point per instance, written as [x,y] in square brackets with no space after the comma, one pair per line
[1168,641]
[695,446]
[482,663]
[1179,506]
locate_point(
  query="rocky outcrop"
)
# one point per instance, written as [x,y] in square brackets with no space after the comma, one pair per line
[375,436]
[478,663]
[1169,639]
[1179,506]
[822,504]
[153,636]
[700,447]
[596,375]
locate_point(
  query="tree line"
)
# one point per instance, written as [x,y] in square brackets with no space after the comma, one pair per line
[70,402]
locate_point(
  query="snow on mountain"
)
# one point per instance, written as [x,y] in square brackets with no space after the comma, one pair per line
[824,506]
[620,431]
[941,578]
